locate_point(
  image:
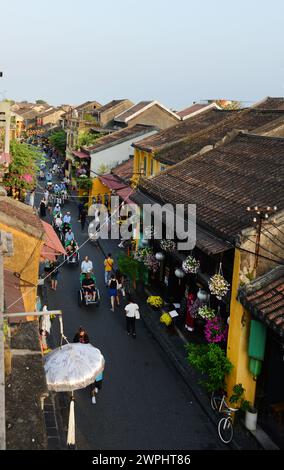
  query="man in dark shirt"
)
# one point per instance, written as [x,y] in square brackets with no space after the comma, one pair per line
[88,285]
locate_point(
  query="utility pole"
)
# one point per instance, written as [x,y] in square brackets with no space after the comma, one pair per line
[261,213]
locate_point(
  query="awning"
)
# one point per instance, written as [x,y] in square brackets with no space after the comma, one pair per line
[113,183]
[80,154]
[52,246]
[12,294]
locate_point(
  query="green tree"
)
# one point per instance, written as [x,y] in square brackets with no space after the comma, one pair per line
[23,168]
[87,138]
[58,141]
[41,102]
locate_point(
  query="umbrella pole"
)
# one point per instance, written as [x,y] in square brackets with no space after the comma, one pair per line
[71,424]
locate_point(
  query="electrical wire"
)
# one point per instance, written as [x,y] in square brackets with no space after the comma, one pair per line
[78,249]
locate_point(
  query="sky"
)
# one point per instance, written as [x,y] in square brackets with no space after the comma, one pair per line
[175,51]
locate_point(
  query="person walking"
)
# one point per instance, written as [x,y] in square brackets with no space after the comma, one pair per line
[108,264]
[97,386]
[113,291]
[80,207]
[81,336]
[54,274]
[132,314]
[32,198]
[83,218]
[42,208]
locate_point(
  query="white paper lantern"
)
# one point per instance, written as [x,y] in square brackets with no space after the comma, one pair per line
[179,273]
[160,256]
[145,242]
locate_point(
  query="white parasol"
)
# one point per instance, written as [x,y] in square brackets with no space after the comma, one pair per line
[73,366]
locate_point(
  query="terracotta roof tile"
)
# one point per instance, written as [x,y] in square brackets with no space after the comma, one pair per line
[20,216]
[270,104]
[119,136]
[122,117]
[108,106]
[223,182]
[124,171]
[191,109]
[248,119]
[264,297]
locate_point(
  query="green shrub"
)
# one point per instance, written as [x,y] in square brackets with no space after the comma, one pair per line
[211,361]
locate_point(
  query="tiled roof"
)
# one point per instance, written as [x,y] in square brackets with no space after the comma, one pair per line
[20,216]
[125,115]
[124,171]
[264,298]
[119,136]
[179,131]
[270,103]
[248,119]
[191,109]
[109,106]
[50,111]
[224,181]
[82,106]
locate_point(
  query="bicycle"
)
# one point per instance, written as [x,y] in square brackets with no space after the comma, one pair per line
[225,424]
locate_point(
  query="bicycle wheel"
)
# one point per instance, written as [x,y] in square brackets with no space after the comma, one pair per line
[225,430]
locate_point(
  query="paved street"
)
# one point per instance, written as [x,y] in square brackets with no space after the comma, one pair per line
[144,403]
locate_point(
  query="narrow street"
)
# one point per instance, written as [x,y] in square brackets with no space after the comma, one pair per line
[144,404]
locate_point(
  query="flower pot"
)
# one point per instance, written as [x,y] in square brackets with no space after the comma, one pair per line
[251,419]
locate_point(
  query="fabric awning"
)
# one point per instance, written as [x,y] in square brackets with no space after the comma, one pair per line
[52,246]
[113,183]
[80,154]
[12,294]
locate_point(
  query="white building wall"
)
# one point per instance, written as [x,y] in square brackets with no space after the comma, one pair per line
[116,154]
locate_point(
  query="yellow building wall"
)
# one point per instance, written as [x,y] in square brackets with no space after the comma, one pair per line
[138,164]
[238,337]
[25,260]
[98,188]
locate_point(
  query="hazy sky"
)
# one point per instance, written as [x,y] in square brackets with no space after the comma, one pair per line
[176,51]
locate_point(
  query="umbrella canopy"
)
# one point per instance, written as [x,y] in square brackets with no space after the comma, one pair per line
[73,366]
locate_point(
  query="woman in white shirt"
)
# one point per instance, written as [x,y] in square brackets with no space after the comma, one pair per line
[132,314]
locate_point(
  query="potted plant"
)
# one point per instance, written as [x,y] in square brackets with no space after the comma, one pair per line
[168,245]
[206,312]
[237,398]
[155,301]
[218,285]
[215,330]
[190,265]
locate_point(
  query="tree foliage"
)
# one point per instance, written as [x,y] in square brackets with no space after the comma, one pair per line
[23,168]
[41,102]
[211,361]
[58,141]
[87,138]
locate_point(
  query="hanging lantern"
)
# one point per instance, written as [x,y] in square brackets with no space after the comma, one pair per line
[145,242]
[202,295]
[179,273]
[159,256]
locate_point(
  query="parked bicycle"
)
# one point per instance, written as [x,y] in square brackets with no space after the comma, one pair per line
[225,424]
